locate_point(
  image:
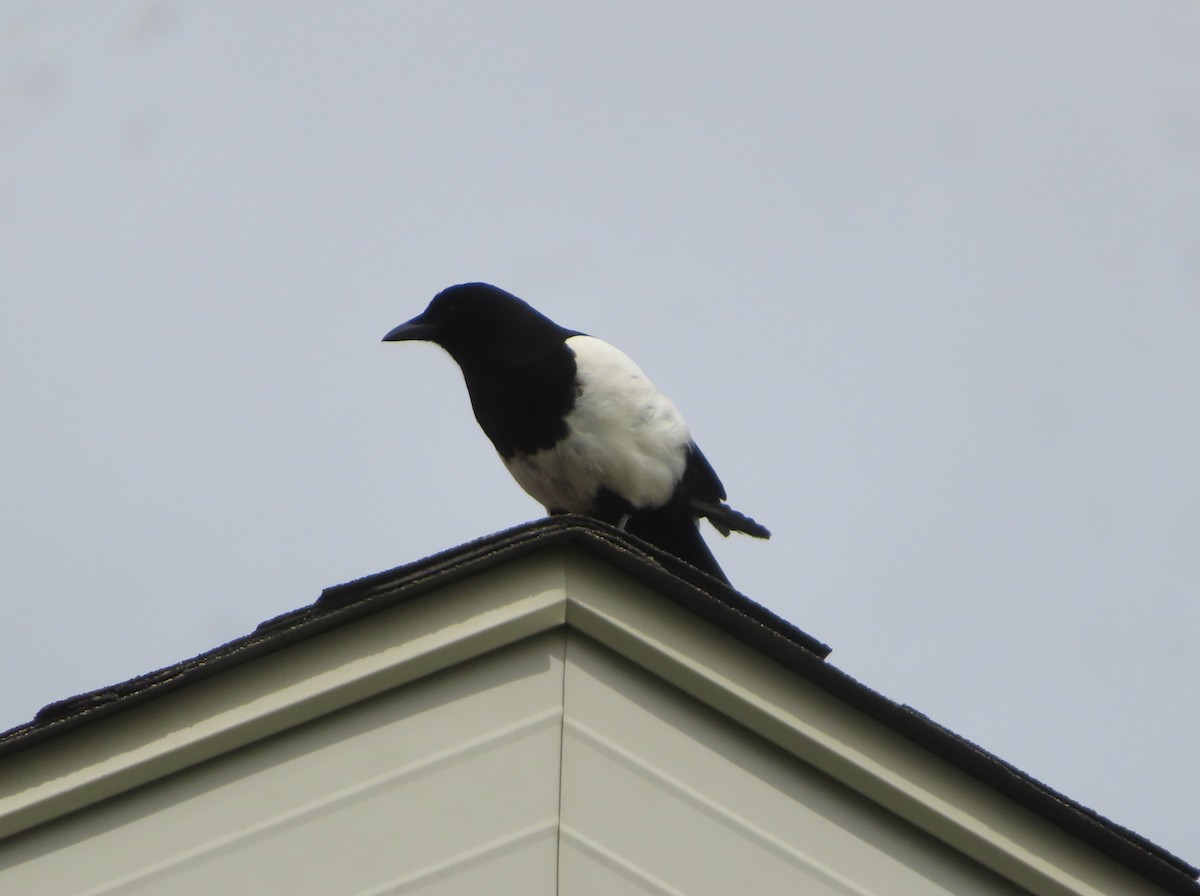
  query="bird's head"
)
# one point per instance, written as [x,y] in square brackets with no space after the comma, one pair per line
[474,319]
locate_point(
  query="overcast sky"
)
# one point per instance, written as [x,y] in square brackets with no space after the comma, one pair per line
[924,278]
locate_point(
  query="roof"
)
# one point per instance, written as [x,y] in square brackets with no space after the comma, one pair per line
[690,589]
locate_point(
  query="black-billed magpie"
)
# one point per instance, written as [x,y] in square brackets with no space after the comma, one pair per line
[577,423]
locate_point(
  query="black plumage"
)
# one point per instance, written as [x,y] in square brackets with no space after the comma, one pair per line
[577,423]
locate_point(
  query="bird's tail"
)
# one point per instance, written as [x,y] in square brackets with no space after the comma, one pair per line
[725,519]
[674,530]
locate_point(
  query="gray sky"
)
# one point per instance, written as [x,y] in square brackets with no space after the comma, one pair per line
[923,277]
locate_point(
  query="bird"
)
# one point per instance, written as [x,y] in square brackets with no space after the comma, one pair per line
[578,424]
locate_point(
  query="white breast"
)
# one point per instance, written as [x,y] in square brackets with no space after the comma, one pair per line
[623,434]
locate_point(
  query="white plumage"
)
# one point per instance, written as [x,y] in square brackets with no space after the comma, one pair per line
[623,435]
[618,450]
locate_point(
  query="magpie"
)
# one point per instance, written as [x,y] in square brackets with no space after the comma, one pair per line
[577,423]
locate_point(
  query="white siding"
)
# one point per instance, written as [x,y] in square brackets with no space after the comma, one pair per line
[663,795]
[451,784]
[418,750]
[448,785]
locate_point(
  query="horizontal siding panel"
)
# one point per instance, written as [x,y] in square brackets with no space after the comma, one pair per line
[662,790]
[454,776]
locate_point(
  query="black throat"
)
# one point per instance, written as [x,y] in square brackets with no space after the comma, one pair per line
[521,395]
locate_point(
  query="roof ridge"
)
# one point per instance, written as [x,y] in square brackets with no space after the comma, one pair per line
[697,592]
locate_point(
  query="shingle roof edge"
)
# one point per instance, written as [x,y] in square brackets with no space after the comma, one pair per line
[699,593]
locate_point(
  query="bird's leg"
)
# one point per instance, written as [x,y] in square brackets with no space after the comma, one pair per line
[611,508]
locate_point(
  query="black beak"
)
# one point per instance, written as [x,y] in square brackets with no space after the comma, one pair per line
[413,330]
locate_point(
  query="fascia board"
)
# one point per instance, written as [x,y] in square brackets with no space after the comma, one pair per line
[281,689]
[817,727]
